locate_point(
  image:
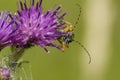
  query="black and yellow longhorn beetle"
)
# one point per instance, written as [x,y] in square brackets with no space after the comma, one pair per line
[67,38]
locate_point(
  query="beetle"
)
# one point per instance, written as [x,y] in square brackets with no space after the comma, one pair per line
[68,37]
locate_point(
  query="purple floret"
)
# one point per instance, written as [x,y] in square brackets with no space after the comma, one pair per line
[36,27]
[6,30]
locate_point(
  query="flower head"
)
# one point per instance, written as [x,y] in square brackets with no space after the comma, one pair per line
[4,73]
[36,27]
[6,30]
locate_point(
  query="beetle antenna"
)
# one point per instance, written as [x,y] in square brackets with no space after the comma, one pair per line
[85,50]
[78,16]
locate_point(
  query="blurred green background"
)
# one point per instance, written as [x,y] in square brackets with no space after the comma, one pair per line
[98,29]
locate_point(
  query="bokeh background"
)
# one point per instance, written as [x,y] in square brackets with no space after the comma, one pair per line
[98,29]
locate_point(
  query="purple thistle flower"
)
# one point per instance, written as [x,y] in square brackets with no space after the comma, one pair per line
[4,73]
[36,27]
[6,30]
